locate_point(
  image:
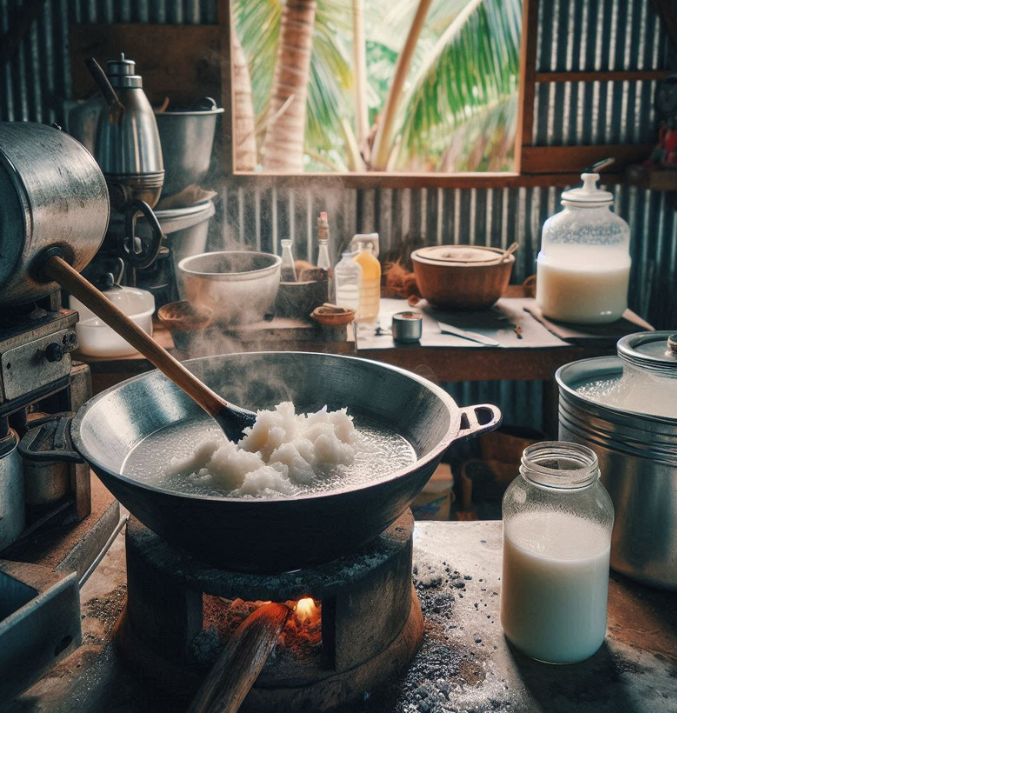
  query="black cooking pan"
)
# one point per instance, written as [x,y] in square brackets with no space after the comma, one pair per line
[275,534]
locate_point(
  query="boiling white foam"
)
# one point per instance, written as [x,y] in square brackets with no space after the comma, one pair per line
[641,393]
[175,459]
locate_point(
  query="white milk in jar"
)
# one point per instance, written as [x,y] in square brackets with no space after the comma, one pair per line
[554,596]
[578,287]
[583,265]
[557,538]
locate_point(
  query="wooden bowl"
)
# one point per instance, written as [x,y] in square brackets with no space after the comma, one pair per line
[462,276]
[184,316]
[331,315]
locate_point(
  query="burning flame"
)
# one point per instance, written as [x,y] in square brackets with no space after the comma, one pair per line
[305,609]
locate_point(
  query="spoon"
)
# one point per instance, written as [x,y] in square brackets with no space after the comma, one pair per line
[510,250]
[231,419]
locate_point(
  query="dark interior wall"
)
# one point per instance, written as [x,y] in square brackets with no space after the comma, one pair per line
[574,35]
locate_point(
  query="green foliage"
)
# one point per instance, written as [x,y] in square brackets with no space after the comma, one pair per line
[464,89]
[458,106]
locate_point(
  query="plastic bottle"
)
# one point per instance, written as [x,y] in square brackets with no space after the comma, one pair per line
[369,278]
[346,282]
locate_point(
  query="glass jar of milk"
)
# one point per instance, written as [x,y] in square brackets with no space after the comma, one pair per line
[557,536]
[583,264]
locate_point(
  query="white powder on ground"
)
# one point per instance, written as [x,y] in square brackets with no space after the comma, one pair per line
[282,452]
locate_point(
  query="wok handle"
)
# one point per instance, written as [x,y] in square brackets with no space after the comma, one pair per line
[53,431]
[477,419]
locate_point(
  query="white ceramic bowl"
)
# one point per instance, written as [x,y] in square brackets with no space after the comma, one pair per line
[96,339]
[237,286]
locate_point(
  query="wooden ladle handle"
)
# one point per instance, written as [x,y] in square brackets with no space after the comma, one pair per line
[62,273]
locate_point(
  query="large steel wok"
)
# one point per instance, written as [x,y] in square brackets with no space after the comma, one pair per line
[275,534]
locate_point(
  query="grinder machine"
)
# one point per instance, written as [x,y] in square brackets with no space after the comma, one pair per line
[54,203]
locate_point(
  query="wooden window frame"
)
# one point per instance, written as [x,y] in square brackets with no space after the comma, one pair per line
[204,57]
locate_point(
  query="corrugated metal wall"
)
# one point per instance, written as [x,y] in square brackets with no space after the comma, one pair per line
[574,35]
[581,35]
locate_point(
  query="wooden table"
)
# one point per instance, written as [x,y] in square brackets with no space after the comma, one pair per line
[440,364]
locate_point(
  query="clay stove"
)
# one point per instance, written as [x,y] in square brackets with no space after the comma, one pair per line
[360,629]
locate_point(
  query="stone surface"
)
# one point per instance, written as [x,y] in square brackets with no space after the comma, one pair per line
[464,664]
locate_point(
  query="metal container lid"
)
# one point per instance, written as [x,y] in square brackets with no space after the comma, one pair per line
[121,73]
[653,351]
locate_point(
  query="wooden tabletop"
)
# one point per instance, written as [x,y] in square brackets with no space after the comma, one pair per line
[462,361]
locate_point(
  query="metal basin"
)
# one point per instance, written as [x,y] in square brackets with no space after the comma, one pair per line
[276,534]
[637,456]
[237,286]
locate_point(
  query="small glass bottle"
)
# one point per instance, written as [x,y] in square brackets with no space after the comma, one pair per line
[557,536]
[323,254]
[288,273]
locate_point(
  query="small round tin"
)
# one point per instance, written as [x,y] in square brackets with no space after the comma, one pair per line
[406,327]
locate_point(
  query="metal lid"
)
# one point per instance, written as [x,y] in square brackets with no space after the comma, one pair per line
[588,194]
[121,73]
[651,350]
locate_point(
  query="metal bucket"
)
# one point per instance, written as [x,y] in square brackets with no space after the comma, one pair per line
[637,456]
[185,229]
[187,140]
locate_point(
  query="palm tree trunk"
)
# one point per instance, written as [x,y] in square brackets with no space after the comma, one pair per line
[387,117]
[359,84]
[285,139]
[241,107]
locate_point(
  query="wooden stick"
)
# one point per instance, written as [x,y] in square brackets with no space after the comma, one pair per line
[241,662]
[64,274]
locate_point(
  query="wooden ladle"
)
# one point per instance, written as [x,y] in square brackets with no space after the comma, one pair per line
[231,419]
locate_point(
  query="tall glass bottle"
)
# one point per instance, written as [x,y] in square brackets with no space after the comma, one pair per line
[323,254]
[288,273]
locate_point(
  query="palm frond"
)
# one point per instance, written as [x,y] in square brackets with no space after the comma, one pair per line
[480,143]
[330,79]
[473,65]
[457,107]
[258,25]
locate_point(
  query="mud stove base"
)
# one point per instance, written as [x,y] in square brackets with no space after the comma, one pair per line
[367,626]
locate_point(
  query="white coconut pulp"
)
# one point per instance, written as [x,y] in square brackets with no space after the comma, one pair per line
[284,454]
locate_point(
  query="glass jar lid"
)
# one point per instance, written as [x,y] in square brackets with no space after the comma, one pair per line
[588,194]
[651,350]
